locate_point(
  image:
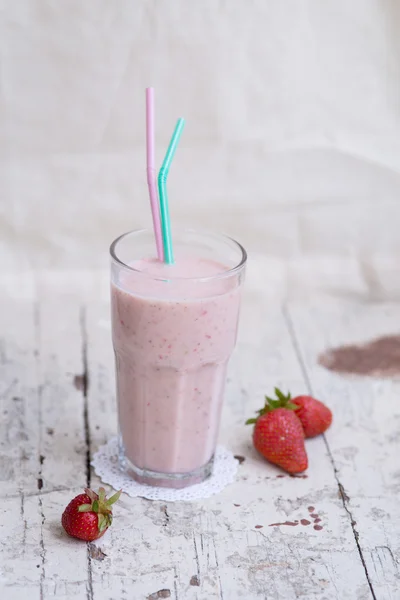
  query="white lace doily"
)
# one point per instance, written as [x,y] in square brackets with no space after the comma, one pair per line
[105,463]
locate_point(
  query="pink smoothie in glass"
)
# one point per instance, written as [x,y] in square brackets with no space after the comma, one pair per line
[172,342]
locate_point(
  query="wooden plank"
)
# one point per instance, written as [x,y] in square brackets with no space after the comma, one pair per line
[18,392]
[216,543]
[63,444]
[364,440]
[228,543]
[20,519]
[43,426]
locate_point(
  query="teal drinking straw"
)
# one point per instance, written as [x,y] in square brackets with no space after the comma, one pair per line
[163,195]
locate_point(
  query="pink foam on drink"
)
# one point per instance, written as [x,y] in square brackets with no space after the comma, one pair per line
[172,341]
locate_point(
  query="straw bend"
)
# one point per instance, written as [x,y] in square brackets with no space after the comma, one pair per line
[162,176]
[163,194]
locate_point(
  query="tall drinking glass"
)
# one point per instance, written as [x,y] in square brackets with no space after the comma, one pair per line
[174,328]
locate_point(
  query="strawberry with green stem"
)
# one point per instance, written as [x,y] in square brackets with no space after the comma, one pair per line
[278,434]
[89,515]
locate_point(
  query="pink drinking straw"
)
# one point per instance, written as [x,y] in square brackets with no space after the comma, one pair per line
[151,172]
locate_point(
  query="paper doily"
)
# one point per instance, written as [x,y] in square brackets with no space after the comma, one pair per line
[105,463]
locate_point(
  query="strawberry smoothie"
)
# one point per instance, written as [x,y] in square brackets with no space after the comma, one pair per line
[174,329]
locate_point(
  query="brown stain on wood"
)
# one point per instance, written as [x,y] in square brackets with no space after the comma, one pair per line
[377,358]
[239,458]
[289,523]
[342,493]
[160,594]
[79,382]
[96,553]
[194,580]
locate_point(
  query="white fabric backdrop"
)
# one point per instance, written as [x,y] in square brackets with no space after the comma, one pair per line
[292,142]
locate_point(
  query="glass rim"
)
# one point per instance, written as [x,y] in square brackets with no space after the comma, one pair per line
[223,275]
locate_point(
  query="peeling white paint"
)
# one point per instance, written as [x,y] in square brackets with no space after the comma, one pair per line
[231,545]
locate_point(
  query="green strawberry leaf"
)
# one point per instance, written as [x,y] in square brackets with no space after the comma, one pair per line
[102,522]
[284,399]
[114,498]
[281,401]
[85,508]
[273,403]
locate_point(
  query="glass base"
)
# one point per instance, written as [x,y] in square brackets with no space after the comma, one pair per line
[168,480]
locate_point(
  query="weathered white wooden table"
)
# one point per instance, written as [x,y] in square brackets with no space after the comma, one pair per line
[257,539]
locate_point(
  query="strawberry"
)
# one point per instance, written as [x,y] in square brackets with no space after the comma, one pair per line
[313,414]
[89,515]
[278,434]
